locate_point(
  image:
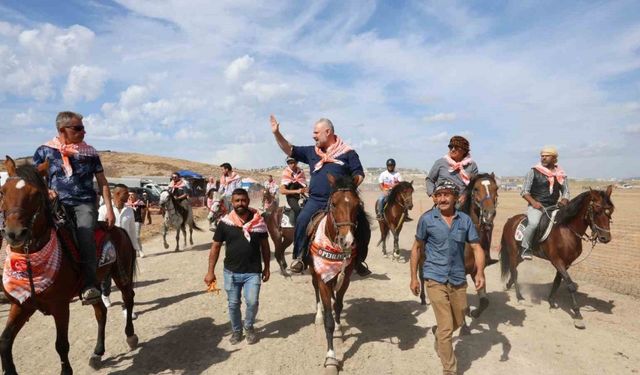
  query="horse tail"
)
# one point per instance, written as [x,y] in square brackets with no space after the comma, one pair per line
[194,226]
[505,250]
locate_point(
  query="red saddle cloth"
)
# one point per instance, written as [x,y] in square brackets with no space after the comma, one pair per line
[101,236]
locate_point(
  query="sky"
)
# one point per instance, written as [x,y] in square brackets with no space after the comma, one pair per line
[198,79]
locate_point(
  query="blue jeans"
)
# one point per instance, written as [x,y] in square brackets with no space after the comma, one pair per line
[300,235]
[233,284]
[380,203]
[533,215]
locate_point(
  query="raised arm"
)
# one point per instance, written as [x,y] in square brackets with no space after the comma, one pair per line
[285,146]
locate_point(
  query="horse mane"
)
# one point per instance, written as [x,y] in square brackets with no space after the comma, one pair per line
[466,206]
[345,182]
[397,189]
[569,212]
[30,175]
[177,206]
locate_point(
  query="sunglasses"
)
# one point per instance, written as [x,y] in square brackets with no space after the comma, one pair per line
[454,148]
[77,128]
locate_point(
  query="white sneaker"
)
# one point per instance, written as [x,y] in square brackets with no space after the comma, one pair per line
[106,300]
[134,316]
[140,254]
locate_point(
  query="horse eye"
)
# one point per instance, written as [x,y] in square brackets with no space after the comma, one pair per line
[607,212]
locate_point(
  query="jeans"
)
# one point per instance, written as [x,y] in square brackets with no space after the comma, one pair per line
[294,203]
[86,218]
[380,203]
[449,303]
[138,231]
[533,215]
[233,285]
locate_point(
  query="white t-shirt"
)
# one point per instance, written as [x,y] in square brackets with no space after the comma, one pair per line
[125,219]
[389,179]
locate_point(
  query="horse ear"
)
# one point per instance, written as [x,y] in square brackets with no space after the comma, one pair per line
[43,168]
[609,191]
[10,165]
[332,180]
[411,183]
[493,175]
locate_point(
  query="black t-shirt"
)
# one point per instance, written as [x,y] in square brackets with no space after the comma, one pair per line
[241,256]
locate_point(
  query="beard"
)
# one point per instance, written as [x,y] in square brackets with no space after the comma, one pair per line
[241,210]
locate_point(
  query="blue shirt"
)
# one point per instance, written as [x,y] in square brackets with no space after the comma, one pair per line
[444,246]
[319,188]
[77,188]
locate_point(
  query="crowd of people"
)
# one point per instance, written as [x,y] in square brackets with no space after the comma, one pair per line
[440,238]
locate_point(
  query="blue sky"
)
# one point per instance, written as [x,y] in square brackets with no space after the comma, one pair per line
[198,79]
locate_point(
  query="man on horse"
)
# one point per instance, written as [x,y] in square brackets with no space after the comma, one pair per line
[229,182]
[247,242]
[544,184]
[440,241]
[72,166]
[179,189]
[387,180]
[456,166]
[293,184]
[330,155]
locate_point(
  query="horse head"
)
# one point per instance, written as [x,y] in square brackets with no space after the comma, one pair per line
[268,200]
[402,193]
[484,198]
[599,214]
[344,203]
[165,197]
[24,201]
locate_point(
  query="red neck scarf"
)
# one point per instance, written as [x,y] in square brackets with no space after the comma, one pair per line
[558,173]
[256,224]
[455,166]
[72,149]
[333,151]
[226,180]
[176,185]
[289,176]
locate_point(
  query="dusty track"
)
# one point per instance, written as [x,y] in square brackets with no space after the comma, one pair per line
[183,330]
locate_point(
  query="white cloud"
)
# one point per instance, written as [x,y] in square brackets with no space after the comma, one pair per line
[265,91]
[238,67]
[441,117]
[133,96]
[84,83]
[437,138]
[632,129]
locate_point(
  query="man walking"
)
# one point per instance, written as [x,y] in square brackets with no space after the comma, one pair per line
[245,234]
[440,237]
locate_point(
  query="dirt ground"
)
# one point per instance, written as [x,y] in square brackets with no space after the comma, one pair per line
[184,330]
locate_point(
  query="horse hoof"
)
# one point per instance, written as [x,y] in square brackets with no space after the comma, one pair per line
[176,250]
[465,331]
[132,341]
[166,246]
[475,313]
[579,324]
[331,365]
[95,361]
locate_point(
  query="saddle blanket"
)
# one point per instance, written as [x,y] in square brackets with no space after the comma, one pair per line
[519,234]
[287,220]
[45,265]
[328,257]
[105,248]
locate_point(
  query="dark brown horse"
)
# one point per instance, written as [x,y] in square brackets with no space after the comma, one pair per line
[28,227]
[339,228]
[399,201]
[481,200]
[591,209]
[281,237]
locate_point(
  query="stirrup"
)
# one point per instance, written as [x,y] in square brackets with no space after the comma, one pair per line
[297,266]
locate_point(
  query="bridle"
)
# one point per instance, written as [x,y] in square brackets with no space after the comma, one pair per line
[331,210]
[480,205]
[589,218]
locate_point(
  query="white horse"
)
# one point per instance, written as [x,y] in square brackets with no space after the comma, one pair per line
[177,216]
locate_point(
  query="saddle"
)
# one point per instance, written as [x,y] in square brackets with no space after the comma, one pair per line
[542,232]
[105,249]
[314,222]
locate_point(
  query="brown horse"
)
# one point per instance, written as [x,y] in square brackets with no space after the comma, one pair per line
[339,228]
[481,200]
[281,237]
[399,201]
[28,227]
[591,209]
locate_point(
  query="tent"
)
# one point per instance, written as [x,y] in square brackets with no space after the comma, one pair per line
[185,173]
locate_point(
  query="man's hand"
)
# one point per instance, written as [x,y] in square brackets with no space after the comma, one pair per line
[275,125]
[535,204]
[111,218]
[415,286]
[480,280]
[209,278]
[52,194]
[461,199]
[265,275]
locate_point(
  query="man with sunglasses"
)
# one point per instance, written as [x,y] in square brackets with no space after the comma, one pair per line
[293,185]
[72,166]
[456,166]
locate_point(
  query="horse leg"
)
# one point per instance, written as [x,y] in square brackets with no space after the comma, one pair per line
[396,245]
[177,239]
[164,236]
[184,236]
[61,318]
[329,324]
[573,288]
[18,316]
[384,231]
[319,311]
[191,233]
[423,296]
[338,304]
[556,283]
[101,317]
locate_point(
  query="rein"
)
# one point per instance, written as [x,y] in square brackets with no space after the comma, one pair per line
[593,238]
